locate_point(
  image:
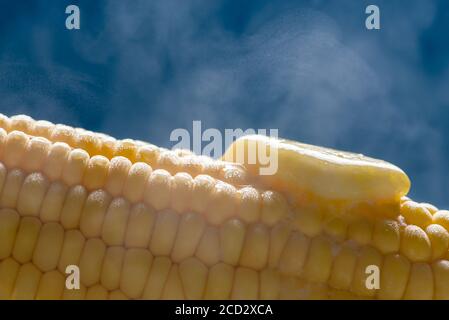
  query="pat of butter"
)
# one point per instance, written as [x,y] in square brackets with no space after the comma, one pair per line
[325,172]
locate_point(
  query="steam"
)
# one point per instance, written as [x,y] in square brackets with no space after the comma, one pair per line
[312,71]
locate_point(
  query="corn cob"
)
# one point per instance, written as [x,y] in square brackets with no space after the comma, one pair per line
[143,222]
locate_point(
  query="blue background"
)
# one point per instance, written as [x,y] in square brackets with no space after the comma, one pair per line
[140,69]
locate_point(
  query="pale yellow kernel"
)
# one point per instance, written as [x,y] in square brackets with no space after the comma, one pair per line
[117,175]
[3,174]
[211,167]
[232,237]
[93,213]
[181,192]
[91,261]
[73,206]
[72,249]
[27,282]
[108,146]
[63,133]
[56,160]
[136,267]
[432,209]
[51,286]
[256,246]
[222,203]
[157,189]
[89,142]
[173,286]
[440,270]
[96,172]
[193,275]
[26,239]
[420,285]
[5,122]
[48,246]
[442,218]
[219,282]
[22,122]
[439,238]
[203,187]
[270,282]
[415,244]
[386,236]
[294,254]
[135,182]
[274,207]
[112,267]
[43,128]
[164,233]
[168,160]
[53,202]
[9,269]
[191,228]
[250,204]
[308,221]
[32,194]
[14,149]
[208,250]
[35,154]
[126,148]
[394,277]
[318,263]
[157,278]
[74,168]
[343,268]
[360,231]
[279,236]
[336,228]
[9,223]
[11,188]
[234,174]
[192,165]
[115,222]
[416,214]
[140,226]
[246,284]
[291,288]
[148,154]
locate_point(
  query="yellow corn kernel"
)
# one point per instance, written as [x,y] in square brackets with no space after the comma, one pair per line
[439,238]
[9,223]
[394,277]
[441,279]
[442,218]
[386,236]
[415,244]
[360,231]
[196,228]
[420,285]
[416,214]
[255,249]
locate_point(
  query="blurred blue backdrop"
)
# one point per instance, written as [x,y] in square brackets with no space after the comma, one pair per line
[140,69]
